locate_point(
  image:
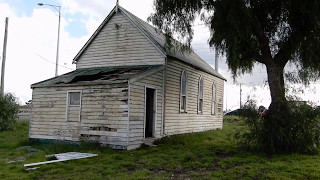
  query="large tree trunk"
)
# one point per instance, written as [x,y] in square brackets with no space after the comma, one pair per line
[276,83]
[276,134]
[277,89]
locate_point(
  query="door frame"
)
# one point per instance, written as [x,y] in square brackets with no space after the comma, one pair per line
[154,110]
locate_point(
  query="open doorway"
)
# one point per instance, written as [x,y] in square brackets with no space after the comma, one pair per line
[150,112]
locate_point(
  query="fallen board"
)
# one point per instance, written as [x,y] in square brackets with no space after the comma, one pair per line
[63,157]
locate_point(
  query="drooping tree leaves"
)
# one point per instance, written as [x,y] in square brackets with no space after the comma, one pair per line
[250,31]
[270,32]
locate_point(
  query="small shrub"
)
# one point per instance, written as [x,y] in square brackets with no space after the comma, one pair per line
[8,111]
[295,128]
[250,135]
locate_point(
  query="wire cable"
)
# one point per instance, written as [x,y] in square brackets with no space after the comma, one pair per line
[36,53]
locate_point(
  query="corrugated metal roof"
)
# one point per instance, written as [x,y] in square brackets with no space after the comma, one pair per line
[158,40]
[110,74]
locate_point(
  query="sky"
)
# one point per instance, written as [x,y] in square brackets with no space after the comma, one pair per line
[32,41]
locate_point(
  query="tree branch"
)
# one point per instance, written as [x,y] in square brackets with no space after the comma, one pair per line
[264,45]
[258,58]
[287,49]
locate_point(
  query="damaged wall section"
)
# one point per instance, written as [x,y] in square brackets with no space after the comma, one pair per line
[103,114]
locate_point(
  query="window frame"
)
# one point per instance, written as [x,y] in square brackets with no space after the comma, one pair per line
[200,95]
[68,98]
[214,99]
[68,105]
[184,72]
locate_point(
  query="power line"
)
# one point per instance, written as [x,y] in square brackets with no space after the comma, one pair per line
[51,61]
[25,44]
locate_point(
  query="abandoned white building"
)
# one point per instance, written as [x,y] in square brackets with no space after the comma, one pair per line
[127,89]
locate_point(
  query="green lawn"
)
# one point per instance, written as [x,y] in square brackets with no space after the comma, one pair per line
[206,155]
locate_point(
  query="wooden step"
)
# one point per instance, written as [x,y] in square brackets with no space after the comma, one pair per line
[149,142]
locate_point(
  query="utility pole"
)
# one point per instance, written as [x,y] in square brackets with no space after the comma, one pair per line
[226,100]
[57,56]
[58,9]
[216,59]
[240,96]
[4,56]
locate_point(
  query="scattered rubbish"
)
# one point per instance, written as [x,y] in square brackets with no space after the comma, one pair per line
[14,161]
[29,169]
[63,157]
[28,148]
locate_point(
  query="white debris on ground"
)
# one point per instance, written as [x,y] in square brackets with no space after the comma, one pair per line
[34,168]
[63,157]
[14,161]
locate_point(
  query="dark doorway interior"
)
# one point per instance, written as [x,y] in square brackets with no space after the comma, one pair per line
[150,111]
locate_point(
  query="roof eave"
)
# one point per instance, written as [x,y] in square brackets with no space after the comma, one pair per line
[143,33]
[218,75]
[104,22]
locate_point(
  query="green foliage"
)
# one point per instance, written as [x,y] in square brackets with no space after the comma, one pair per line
[250,31]
[231,119]
[295,128]
[205,155]
[8,111]
[269,32]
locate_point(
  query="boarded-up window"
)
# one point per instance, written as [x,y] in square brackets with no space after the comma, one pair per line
[214,92]
[183,92]
[200,95]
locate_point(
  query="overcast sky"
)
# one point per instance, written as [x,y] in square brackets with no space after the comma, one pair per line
[32,40]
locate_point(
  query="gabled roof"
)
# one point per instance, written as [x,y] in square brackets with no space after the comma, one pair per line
[97,74]
[157,39]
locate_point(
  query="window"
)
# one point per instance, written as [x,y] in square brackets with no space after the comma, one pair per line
[183,92]
[213,106]
[74,98]
[73,107]
[200,95]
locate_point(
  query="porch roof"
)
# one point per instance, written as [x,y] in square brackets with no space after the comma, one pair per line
[96,74]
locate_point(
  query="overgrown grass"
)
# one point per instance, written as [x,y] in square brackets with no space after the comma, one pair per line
[206,155]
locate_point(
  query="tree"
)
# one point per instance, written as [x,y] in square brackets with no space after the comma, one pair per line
[270,32]
[8,111]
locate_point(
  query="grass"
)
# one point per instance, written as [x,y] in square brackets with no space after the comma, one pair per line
[205,155]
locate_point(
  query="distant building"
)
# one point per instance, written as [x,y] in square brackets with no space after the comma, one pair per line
[24,112]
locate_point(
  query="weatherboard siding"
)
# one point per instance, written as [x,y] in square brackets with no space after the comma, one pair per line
[120,43]
[137,108]
[177,122]
[103,114]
